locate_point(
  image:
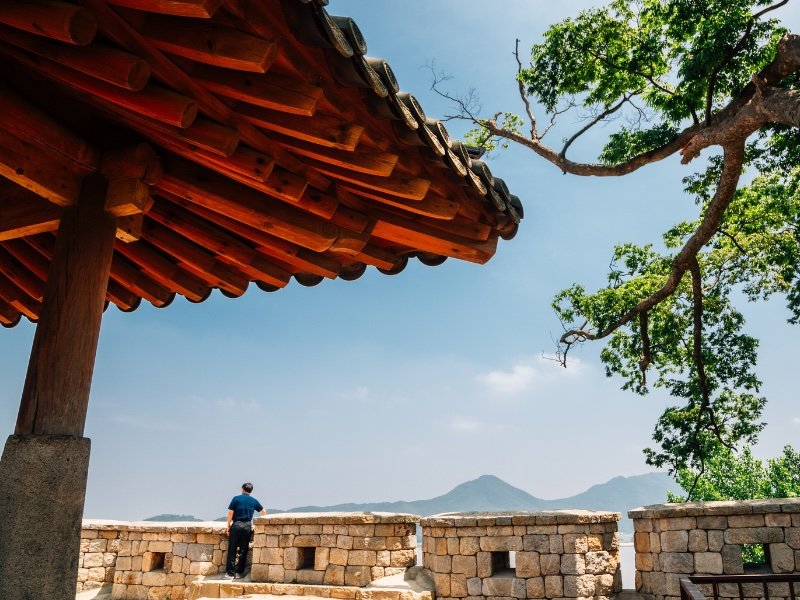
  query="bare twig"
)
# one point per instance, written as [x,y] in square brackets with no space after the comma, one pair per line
[600,116]
[524,94]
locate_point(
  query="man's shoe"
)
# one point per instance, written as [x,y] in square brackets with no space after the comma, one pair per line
[228,576]
[239,576]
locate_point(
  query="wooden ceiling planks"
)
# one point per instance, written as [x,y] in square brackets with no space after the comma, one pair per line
[275,149]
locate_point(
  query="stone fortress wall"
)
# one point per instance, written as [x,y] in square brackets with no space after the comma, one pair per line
[536,555]
[332,548]
[554,554]
[706,538]
[149,561]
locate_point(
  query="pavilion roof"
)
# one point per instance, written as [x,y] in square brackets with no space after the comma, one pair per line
[241,140]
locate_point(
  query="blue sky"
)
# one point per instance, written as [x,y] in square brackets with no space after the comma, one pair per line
[400,387]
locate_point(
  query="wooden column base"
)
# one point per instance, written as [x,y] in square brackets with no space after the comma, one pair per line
[41,499]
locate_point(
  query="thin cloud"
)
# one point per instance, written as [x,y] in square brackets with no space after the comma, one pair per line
[230,402]
[796,420]
[527,372]
[464,424]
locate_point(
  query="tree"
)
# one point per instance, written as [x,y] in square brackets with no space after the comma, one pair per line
[688,76]
[740,476]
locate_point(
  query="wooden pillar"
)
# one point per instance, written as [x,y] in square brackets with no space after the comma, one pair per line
[56,392]
[45,463]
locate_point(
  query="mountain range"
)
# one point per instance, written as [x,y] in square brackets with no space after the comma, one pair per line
[490,493]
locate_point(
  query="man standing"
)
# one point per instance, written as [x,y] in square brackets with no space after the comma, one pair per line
[240,514]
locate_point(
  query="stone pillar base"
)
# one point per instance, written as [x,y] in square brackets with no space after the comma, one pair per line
[42,490]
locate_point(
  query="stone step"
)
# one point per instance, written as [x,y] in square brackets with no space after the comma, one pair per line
[631,595]
[413,586]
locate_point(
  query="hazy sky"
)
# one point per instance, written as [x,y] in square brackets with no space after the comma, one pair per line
[401,387]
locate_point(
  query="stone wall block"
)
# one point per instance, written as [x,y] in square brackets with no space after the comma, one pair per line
[573,564]
[468,565]
[556,544]
[271,556]
[199,552]
[595,542]
[754,535]
[469,546]
[677,562]
[403,558]
[474,586]
[736,521]
[202,568]
[536,543]
[275,573]
[677,524]
[716,539]
[550,564]
[778,520]
[712,522]
[458,586]
[641,541]
[674,540]
[508,543]
[643,525]
[154,578]
[579,586]
[484,560]
[781,558]
[383,558]
[160,546]
[453,546]
[344,541]
[92,559]
[534,587]
[321,558]
[361,530]
[698,540]
[291,558]
[732,560]
[442,564]
[793,537]
[306,541]
[598,563]
[709,563]
[441,582]
[310,577]
[604,585]
[498,586]
[527,564]
[644,561]
[338,556]
[334,575]
[362,558]
[553,586]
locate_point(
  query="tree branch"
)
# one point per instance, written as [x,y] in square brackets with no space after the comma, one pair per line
[602,115]
[726,188]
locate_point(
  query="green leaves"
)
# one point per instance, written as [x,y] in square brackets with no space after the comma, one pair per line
[627,143]
[732,475]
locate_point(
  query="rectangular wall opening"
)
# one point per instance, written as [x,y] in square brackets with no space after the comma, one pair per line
[755,558]
[305,558]
[501,564]
[152,561]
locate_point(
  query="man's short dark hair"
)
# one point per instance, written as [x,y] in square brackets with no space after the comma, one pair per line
[247,487]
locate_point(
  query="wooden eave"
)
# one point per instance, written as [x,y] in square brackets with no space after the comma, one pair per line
[241,141]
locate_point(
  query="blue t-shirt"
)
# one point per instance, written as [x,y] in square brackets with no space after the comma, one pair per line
[243,507]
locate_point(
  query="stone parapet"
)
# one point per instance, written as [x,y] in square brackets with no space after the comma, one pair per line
[333,549]
[149,559]
[706,538]
[549,554]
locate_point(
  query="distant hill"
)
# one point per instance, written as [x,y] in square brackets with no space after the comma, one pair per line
[170,518]
[490,493]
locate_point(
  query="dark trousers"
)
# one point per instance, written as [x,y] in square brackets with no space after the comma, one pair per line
[238,542]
